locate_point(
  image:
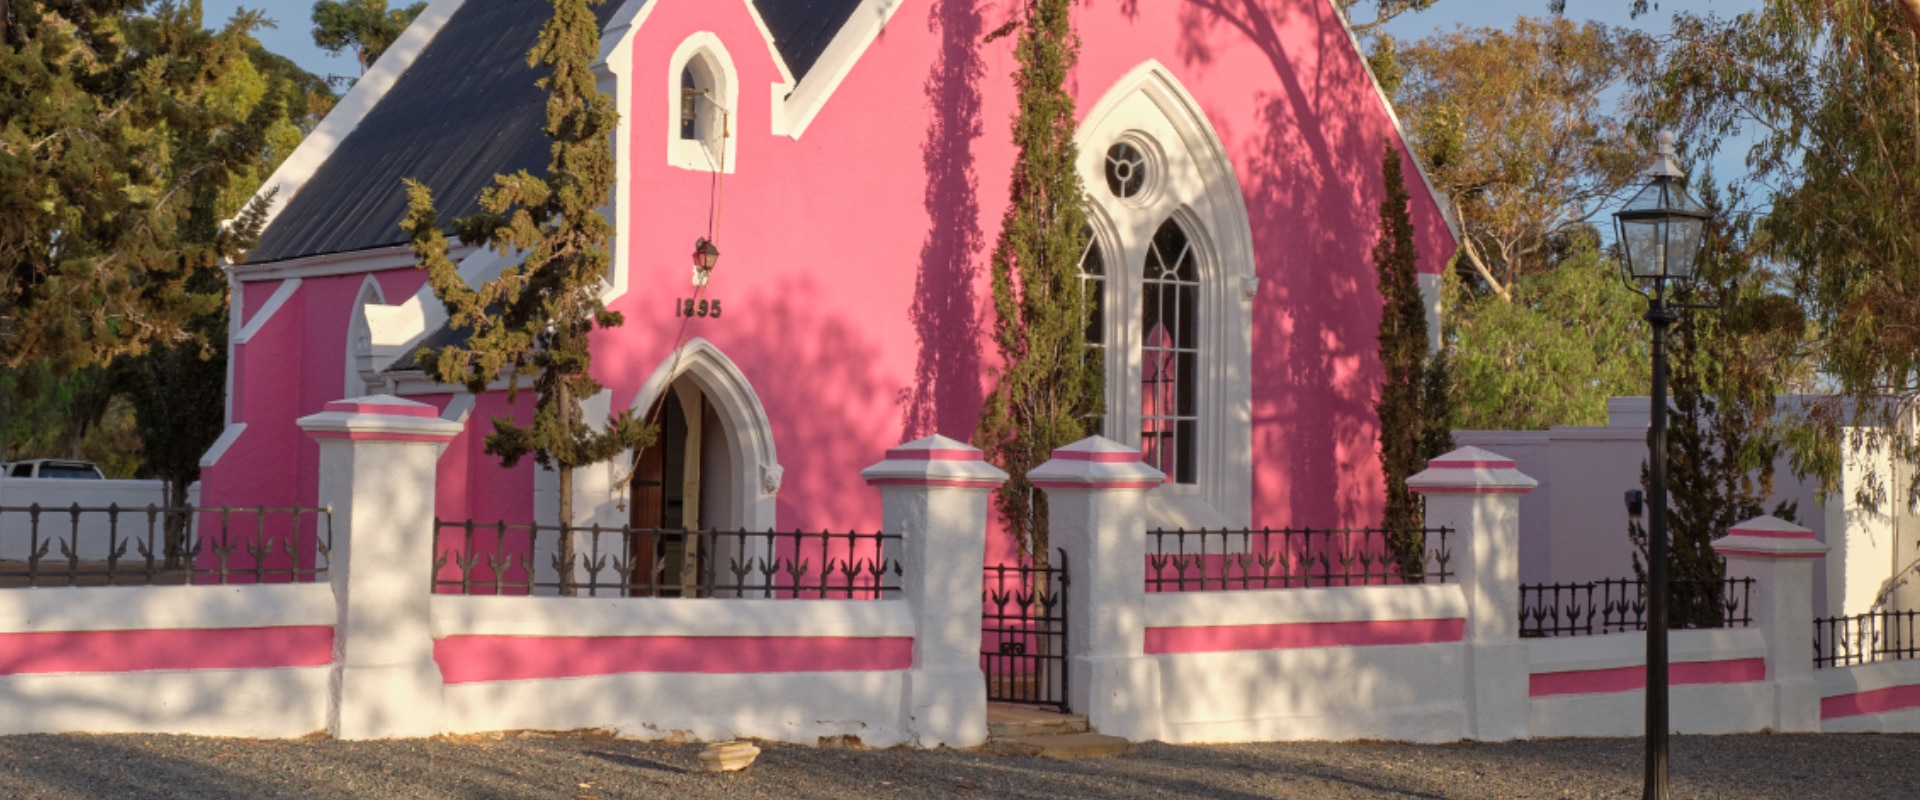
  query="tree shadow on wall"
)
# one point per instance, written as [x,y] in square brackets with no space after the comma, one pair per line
[828,405]
[945,396]
[1311,178]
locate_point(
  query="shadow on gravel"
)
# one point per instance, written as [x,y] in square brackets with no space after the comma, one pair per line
[636,762]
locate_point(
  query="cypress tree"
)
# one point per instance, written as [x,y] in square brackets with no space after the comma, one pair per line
[533,321]
[1415,422]
[1047,389]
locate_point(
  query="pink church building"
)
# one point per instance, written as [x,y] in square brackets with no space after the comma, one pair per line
[850,159]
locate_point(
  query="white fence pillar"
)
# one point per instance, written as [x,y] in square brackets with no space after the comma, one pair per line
[1477,494]
[377,466]
[1779,556]
[1096,491]
[934,494]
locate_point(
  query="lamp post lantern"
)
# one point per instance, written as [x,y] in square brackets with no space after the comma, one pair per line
[1659,230]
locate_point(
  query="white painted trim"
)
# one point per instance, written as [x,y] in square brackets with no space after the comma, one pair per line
[1386,103]
[454,615]
[139,608]
[798,109]
[756,464]
[701,155]
[300,166]
[766,36]
[352,262]
[253,703]
[1201,191]
[1835,681]
[360,362]
[228,436]
[1582,653]
[266,311]
[1289,606]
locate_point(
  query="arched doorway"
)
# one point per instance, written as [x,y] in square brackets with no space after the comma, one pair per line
[712,467]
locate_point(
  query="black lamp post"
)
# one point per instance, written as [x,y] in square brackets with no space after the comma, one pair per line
[1659,233]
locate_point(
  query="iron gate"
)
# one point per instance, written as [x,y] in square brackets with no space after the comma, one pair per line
[1024,636]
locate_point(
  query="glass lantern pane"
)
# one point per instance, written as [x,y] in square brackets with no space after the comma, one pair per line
[1642,240]
[1683,245]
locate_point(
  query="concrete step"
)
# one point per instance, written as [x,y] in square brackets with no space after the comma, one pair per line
[1004,720]
[1060,745]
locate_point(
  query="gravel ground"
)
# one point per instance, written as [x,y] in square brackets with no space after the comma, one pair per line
[586,766]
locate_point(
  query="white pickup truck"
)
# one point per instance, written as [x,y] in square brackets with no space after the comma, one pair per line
[52,468]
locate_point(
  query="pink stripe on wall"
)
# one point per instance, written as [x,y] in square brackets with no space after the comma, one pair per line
[139,651]
[471,659]
[1124,457]
[1892,698]
[1472,464]
[910,454]
[1295,635]
[1632,679]
[384,409]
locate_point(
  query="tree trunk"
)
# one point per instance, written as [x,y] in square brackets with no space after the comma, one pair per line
[1912,7]
[178,522]
[564,560]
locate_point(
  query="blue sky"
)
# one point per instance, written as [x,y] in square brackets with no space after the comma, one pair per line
[293,36]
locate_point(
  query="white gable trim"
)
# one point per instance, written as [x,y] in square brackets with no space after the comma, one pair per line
[260,317]
[849,44]
[319,145]
[1439,200]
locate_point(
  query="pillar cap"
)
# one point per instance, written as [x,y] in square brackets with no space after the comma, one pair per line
[380,417]
[935,461]
[1769,537]
[1472,470]
[1096,462]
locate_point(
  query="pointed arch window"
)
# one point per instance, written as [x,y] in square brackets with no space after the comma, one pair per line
[1093,287]
[1170,354]
[702,94]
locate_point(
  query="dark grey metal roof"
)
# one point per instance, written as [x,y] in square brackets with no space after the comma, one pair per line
[802,28]
[465,110]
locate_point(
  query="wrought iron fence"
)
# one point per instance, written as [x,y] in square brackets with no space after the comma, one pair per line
[1618,605]
[1024,632]
[498,558]
[158,546]
[1296,558]
[1865,638]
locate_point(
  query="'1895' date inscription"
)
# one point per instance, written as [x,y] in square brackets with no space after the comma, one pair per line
[688,307]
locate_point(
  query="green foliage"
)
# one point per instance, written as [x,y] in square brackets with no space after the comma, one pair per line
[535,318]
[120,134]
[1410,379]
[1721,445]
[367,27]
[1521,136]
[1047,389]
[1830,90]
[1571,338]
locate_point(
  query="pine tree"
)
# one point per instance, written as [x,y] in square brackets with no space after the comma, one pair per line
[1414,417]
[533,321]
[1048,388]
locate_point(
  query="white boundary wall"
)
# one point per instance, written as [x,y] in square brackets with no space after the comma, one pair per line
[148,659]
[1410,692]
[717,703]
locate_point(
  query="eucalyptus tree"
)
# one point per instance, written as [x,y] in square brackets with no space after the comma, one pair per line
[1828,94]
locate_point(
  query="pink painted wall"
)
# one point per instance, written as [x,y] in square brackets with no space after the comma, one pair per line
[854,267]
